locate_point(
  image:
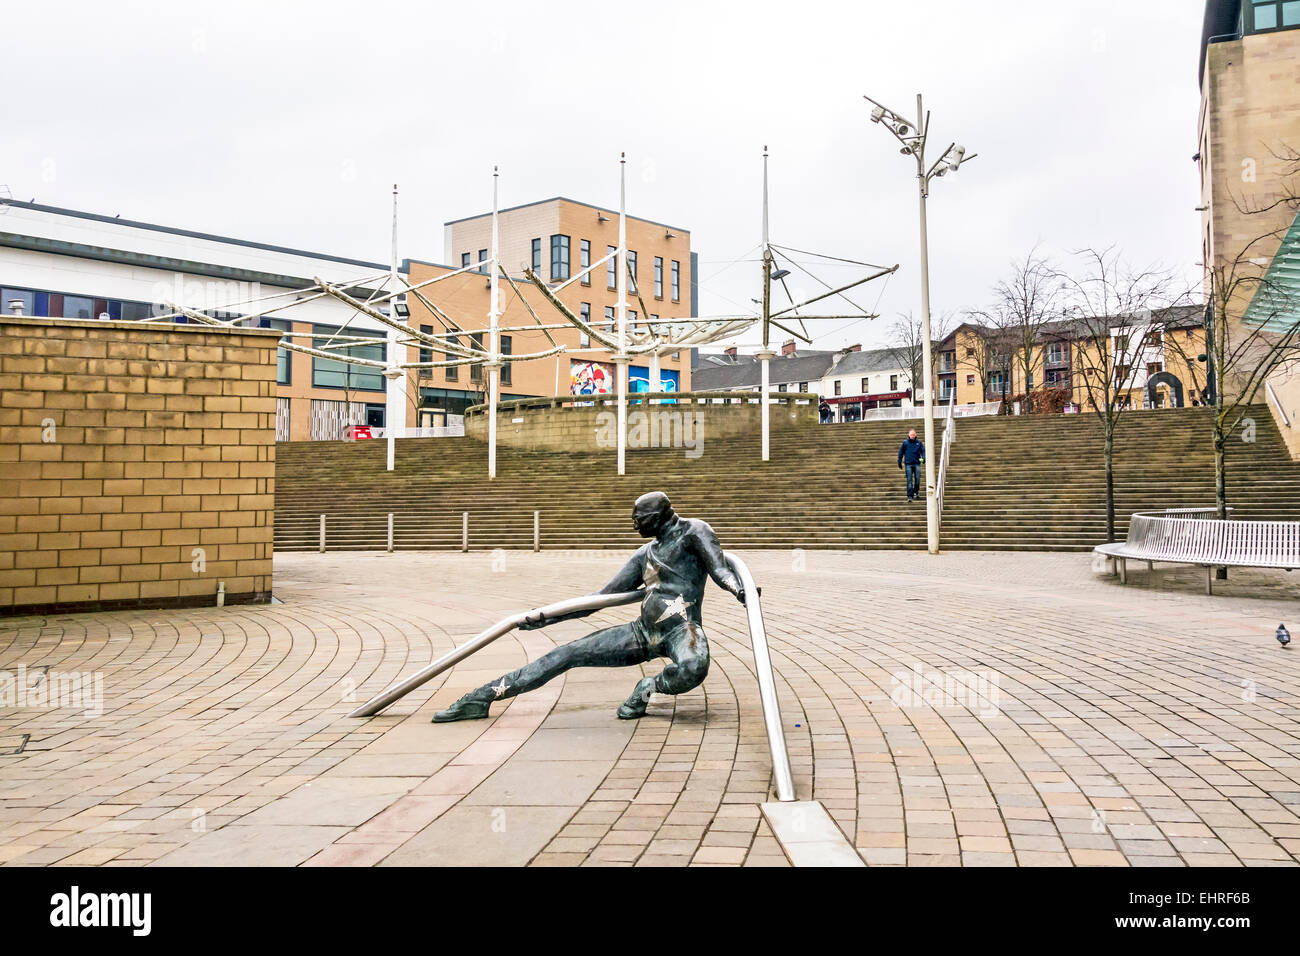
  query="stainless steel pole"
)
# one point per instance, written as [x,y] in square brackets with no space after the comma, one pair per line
[766,682]
[931,500]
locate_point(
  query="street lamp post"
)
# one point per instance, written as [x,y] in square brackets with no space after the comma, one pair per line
[912,137]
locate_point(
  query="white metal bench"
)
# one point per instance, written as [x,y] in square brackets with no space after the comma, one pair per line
[1195,536]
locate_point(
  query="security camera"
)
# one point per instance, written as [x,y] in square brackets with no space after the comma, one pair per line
[877,114]
[902,129]
[958,152]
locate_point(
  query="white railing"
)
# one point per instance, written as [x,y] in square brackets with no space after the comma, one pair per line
[949,433]
[437,431]
[916,412]
[974,411]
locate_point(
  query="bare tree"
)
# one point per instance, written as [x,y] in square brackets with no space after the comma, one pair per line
[907,342]
[1109,306]
[1244,350]
[1026,302]
[993,353]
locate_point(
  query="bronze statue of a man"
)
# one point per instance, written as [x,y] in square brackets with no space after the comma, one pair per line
[672,568]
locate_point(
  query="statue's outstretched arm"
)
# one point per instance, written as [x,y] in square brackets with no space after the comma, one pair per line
[628,579]
[715,562]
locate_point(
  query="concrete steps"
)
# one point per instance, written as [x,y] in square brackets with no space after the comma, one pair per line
[1028,482]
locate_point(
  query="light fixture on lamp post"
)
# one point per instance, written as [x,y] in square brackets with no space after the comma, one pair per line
[912,139]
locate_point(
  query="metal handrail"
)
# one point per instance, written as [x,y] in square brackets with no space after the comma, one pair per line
[766,681]
[1268,386]
[949,433]
[757,639]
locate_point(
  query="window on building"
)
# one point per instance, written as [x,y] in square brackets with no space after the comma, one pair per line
[1029,382]
[1155,368]
[803,386]
[839,387]
[631,269]
[611,268]
[507,347]
[330,373]
[970,352]
[537,256]
[631,320]
[476,370]
[659,277]
[893,383]
[464,260]
[584,313]
[453,371]
[609,317]
[559,258]
[78,307]
[1154,338]
[426,353]
[676,280]
[997,380]
[970,379]
[1274,14]
[865,388]
[1056,353]
[783,387]
[482,257]
[27,298]
[283,366]
[584,259]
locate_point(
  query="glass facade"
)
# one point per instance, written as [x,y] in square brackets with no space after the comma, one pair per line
[328,373]
[559,258]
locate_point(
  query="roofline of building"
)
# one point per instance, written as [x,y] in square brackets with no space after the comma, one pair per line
[1220,21]
[153,227]
[61,247]
[576,202]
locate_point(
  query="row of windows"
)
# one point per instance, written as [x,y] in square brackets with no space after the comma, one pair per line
[1274,14]
[560,258]
[865,387]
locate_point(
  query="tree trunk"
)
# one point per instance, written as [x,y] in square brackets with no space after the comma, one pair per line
[1109,453]
[1220,473]
[1220,483]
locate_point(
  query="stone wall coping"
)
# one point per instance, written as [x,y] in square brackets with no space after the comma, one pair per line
[56,322]
[637,398]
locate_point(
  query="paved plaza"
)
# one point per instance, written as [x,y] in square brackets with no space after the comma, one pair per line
[966,709]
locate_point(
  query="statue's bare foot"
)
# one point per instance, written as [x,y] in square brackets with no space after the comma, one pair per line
[462,710]
[634,706]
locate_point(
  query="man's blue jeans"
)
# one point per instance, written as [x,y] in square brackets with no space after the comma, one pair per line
[913,480]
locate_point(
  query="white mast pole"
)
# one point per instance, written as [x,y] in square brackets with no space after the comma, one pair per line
[931,499]
[765,355]
[620,360]
[395,397]
[494,315]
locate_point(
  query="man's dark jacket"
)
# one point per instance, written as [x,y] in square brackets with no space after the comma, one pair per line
[911,452]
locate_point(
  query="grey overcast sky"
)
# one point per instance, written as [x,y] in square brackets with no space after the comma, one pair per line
[288,123]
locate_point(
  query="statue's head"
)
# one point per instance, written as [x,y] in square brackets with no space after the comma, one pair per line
[651,513]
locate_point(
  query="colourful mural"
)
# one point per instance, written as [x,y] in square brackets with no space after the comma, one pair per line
[638,379]
[590,378]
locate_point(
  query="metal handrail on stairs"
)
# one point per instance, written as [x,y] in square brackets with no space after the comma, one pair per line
[594,602]
[949,433]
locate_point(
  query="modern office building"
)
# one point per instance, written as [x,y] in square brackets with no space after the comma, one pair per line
[557,238]
[69,263]
[1249,143]
[63,262]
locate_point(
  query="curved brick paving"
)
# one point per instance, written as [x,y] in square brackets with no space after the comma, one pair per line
[1145,725]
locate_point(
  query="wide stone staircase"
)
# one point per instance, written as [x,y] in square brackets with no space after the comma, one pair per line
[1029,482]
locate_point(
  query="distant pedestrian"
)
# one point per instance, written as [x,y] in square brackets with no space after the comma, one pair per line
[824,410]
[911,455]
